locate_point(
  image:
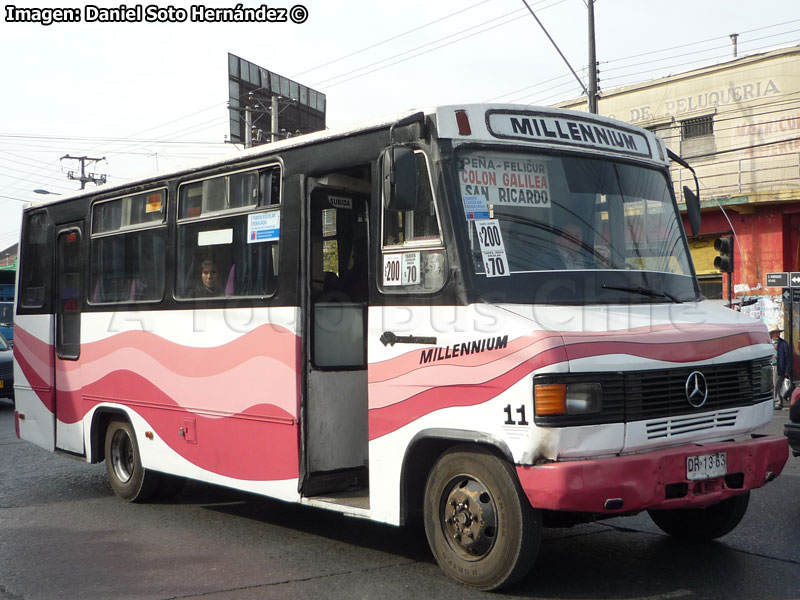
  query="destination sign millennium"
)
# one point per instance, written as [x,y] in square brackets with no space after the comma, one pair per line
[574,132]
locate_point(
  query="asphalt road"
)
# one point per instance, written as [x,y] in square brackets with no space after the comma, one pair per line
[63,534]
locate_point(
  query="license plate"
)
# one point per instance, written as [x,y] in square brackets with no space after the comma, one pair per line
[706,466]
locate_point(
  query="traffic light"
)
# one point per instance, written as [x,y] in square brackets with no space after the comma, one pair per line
[724,262]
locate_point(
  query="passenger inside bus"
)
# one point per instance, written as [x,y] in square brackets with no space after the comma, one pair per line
[209,284]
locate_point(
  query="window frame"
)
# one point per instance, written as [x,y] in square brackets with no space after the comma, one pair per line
[413,245]
[126,230]
[388,248]
[278,167]
[25,256]
[694,124]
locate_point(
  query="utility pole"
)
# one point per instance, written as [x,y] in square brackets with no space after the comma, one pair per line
[84,178]
[274,119]
[592,61]
[248,127]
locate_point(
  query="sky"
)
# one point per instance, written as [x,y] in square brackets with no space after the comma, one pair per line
[150,97]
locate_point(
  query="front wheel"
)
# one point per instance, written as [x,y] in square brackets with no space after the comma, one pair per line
[702,524]
[129,479]
[480,527]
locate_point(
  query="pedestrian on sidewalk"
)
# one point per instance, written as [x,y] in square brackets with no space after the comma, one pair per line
[782,365]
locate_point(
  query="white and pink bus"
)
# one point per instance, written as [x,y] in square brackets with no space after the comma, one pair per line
[482,315]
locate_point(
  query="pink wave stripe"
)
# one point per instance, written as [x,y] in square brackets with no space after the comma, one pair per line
[679,351]
[409,362]
[384,393]
[267,340]
[669,332]
[388,417]
[243,446]
[36,354]
[43,389]
[385,420]
[257,377]
[666,332]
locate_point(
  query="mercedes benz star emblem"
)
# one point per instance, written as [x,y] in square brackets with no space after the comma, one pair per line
[696,389]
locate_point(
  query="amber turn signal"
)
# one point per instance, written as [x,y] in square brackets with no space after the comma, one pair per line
[550,399]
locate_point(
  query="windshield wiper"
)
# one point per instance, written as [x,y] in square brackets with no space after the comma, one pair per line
[643,291]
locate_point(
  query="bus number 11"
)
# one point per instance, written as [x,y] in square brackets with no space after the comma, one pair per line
[510,420]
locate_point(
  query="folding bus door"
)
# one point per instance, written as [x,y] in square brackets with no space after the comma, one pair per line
[336,436]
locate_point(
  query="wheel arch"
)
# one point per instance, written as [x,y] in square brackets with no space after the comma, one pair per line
[422,452]
[100,421]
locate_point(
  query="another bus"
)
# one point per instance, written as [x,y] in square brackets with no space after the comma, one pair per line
[7,277]
[483,315]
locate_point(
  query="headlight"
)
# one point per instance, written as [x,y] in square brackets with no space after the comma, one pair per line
[568,399]
[766,379]
[584,398]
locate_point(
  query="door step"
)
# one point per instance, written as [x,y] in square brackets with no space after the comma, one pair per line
[351,502]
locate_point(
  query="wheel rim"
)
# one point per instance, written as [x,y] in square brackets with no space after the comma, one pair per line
[469,517]
[122,456]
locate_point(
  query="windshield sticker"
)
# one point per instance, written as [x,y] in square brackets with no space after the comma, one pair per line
[515,181]
[475,207]
[493,251]
[570,131]
[263,227]
[401,269]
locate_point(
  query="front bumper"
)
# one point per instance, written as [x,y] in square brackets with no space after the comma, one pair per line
[792,431]
[652,480]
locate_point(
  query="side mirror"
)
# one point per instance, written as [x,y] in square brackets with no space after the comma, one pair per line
[399,178]
[692,209]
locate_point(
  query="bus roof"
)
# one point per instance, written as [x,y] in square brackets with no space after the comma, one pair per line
[515,124]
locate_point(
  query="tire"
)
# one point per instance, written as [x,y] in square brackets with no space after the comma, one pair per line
[702,524]
[479,524]
[129,479]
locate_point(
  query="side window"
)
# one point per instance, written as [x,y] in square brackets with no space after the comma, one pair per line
[228,232]
[128,249]
[413,250]
[36,260]
[70,283]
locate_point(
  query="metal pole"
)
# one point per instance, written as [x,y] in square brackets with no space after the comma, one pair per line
[592,62]
[248,127]
[274,119]
[730,288]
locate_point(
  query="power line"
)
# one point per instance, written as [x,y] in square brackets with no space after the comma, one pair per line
[519,14]
[391,39]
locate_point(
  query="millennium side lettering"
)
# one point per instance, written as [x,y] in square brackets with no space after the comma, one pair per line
[485,345]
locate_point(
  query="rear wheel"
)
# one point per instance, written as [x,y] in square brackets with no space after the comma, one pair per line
[479,525]
[702,524]
[129,479]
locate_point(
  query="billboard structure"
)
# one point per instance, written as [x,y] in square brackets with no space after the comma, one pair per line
[265,106]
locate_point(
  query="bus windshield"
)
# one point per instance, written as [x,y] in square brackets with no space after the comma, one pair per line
[612,226]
